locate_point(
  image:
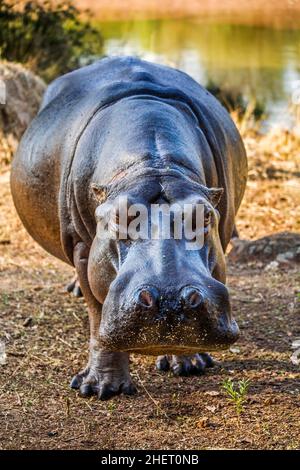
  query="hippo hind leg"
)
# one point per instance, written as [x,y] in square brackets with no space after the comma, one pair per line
[74,287]
[185,365]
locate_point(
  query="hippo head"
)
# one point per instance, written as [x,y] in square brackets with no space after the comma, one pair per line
[160,294]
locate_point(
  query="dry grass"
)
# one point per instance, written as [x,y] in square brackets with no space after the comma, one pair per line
[272,198]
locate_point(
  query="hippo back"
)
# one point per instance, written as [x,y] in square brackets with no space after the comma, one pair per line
[41,173]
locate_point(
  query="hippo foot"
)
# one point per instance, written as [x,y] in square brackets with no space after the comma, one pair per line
[106,377]
[74,288]
[185,365]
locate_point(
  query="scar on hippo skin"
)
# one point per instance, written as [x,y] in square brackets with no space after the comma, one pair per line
[100,192]
[185,365]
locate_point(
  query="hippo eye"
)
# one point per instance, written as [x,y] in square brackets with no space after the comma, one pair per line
[207,218]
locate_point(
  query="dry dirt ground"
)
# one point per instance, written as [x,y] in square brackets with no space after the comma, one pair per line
[44,330]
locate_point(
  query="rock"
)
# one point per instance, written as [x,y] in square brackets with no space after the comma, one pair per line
[278,249]
[21,93]
[24,92]
[286,257]
[212,393]
[295,357]
[296,343]
[2,354]
[273,266]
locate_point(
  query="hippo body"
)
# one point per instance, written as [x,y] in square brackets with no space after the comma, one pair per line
[126,126]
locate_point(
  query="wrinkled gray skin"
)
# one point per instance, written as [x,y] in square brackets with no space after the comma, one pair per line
[123,126]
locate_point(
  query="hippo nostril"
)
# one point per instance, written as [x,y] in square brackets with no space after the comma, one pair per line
[194,299]
[147,297]
[191,297]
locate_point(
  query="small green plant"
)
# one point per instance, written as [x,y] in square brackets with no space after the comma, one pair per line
[111,407]
[237,393]
[5,299]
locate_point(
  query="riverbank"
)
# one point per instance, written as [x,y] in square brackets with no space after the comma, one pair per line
[277,13]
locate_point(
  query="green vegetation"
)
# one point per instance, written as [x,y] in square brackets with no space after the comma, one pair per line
[237,393]
[49,39]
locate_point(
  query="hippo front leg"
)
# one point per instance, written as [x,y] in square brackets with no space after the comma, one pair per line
[107,373]
[185,365]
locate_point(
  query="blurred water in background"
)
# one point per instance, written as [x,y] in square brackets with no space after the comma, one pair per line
[260,62]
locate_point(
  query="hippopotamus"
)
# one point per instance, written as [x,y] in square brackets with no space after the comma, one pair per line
[127,127]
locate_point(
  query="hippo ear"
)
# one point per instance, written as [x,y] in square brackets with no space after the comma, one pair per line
[214,195]
[100,192]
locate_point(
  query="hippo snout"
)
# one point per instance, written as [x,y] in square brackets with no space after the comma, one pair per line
[185,319]
[170,305]
[189,296]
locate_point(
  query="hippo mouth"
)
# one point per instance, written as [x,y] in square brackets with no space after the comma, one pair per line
[154,320]
[158,350]
[180,341]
